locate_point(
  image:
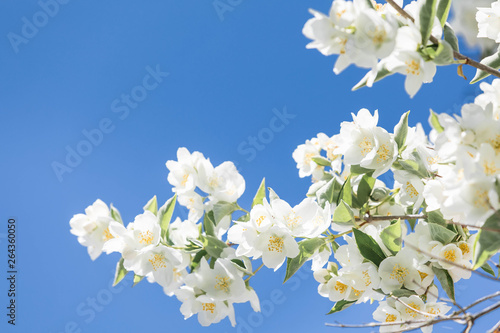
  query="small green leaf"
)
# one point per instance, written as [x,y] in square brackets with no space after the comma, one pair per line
[341,305]
[222,209]
[446,281]
[213,245]
[401,131]
[165,214]
[487,241]
[415,166]
[368,247]
[346,192]
[343,214]
[152,205]
[272,195]
[120,272]
[209,223]
[436,217]
[381,73]
[434,122]
[450,37]
[491,61]
[402,293]
[137,279]
[307,248]
[441,234]
[328,193]
[321,161]
[365,188]
[427,15]
[359,170]
[115,214]
[392,238]
[443,9]
[445,55]
[258,199]
[487,268]
[197,258]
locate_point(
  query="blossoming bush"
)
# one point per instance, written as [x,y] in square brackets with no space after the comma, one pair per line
[368,241]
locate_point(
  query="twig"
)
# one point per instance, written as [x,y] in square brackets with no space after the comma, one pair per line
[466,60]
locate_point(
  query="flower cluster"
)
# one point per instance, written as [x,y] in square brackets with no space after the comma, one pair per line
[448,179]
[465,25]
[375,36]
[186,258]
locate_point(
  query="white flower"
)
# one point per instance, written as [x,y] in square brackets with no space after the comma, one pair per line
[488,20]
[276,244]
[363,143]
[183,171]
[387,314]
[307,219]
[398,271]
[465,24]
[407,310]
[161,264]
[412,188]
[144,232]
[92,228]
[223,183]
[180,232]
[193,202]
[303,155]
[223,282]
[209,311]
[407,61]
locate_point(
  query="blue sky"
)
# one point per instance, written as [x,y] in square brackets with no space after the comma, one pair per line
[221,78]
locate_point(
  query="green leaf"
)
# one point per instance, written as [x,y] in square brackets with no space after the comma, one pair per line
[213,245]
[272,195]
[487,268]
[415,166]
[222,209]
[343,214]
[115,214]
[446,281]
[443,9]
[328,193]
[436,217]
[401,131]
[209,223]
[445,54]
[321,161]
[450,37]
[165,214]
[434,122]
[137,279]
[258,199]
[427,15]
[402,293]
[392,238]
[365,188]
[307,248]
[491,61]
[341,305]
[152,205]
[487,241]
[197,258]
[346,192]
[120,272]
[381,73]
[368,247]
[441,234]
[359,170]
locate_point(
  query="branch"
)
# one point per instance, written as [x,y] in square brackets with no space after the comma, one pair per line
[466,60]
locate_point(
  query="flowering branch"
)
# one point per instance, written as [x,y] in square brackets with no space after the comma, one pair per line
[466,60]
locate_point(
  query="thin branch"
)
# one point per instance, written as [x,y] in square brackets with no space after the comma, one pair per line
[482,299]
[370,218]
[466,60]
